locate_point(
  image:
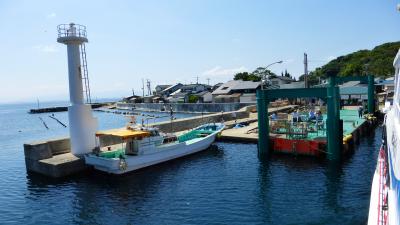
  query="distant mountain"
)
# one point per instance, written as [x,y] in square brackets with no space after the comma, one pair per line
[378,61]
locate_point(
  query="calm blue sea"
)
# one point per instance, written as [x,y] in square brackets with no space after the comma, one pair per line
[226,184]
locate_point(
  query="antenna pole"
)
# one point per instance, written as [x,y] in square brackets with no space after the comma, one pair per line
[148,82]
[305,71]
[143,87]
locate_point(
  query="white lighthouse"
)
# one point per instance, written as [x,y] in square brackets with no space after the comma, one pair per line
[82,124]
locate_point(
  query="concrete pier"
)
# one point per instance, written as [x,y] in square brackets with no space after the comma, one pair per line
[52,158]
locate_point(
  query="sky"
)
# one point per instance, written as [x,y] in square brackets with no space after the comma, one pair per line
[177,41]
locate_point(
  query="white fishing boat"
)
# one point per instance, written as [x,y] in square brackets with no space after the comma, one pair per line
[142,147]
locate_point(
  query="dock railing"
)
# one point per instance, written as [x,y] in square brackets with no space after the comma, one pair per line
[298,130]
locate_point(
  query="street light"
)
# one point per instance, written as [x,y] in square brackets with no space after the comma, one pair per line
[263,79]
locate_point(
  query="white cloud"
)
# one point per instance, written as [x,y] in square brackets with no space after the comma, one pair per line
[46,48]
[51,15]
[219,71]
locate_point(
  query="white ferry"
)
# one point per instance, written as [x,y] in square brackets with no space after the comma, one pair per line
[384,204]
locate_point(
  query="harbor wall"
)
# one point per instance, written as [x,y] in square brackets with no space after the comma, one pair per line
[185,107]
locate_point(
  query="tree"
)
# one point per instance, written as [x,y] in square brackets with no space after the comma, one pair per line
[286,74]
[246,77]
[312,80]
[377,61]
[263,72]
[193,98]
[256,75]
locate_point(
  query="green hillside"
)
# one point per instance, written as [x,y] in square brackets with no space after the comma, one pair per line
[378,61]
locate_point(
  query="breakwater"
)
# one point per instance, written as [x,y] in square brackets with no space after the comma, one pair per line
[184,107]
[62,108]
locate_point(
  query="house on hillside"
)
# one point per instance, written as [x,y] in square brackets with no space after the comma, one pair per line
[231,91]
[133,99]
[194,88]
[178,97]
[204,97]
[162,87]
[353,92]
[280,80]
[213,88]
[228,98]
[169,90]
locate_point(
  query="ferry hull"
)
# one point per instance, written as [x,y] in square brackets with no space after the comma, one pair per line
[385,192]
[392,139]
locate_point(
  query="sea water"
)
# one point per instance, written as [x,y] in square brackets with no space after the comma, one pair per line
[226,184]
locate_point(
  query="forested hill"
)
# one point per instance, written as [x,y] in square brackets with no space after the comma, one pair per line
[378,61]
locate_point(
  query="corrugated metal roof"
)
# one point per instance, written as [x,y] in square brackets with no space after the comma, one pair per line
[235,85]
[235,95]
[225,88]
[246,85]
[202,93]
[356,90]
[350,84]
[173,86]
[282,78]
[299,84]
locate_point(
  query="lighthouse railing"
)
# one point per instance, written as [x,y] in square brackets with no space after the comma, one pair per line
[67,30]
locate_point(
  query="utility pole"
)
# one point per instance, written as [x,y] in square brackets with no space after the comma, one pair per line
[305,71]
[133,92]
[197,79]
[143,87]
[148,87]
[208,81]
